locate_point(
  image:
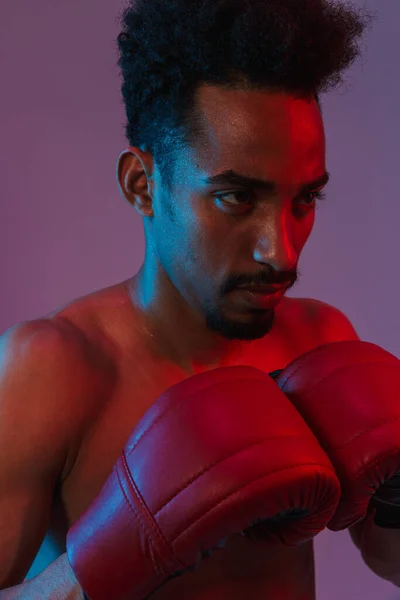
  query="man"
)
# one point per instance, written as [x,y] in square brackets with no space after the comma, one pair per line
[233,210]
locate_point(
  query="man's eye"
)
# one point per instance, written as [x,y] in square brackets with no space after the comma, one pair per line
[244,196]
[313,197]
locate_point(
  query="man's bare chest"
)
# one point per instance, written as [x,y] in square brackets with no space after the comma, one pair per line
[137,384]
[243,567]
[139,381]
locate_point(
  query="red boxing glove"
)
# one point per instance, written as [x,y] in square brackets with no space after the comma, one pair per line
[218,454]
[348,393]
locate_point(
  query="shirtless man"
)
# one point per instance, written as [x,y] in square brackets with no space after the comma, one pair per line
[74,384]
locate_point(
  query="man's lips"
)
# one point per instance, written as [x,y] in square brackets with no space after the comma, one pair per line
[261,297]
[264,289]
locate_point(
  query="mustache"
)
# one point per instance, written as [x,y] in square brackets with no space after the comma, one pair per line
[286,280]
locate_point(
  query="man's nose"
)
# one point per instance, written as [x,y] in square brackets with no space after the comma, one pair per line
[275,245]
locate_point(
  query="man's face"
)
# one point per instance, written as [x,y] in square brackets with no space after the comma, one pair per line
[211,238]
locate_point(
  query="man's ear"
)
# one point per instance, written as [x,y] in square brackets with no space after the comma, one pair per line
[135,179]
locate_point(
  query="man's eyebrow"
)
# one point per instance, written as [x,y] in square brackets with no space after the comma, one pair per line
[233,178]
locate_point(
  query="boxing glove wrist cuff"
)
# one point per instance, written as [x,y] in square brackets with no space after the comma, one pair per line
[386,516]
[387,504]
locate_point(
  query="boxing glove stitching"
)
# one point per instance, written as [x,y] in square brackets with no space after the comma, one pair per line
[148,525]
[375,428]
[207,468]
[241,489]
[376,462]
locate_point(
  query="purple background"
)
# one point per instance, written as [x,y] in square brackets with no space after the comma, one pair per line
[65,231]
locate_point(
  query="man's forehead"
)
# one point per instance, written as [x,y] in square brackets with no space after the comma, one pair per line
[258,121]
[215,101]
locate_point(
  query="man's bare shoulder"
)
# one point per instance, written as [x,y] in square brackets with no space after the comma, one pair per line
[329,321]
[62,347]
[47,386]
[53,337]
[56,347]
[101,318]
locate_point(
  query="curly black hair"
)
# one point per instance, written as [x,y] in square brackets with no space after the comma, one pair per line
[168,48]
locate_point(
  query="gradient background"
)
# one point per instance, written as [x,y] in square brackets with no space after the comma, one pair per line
[65,230]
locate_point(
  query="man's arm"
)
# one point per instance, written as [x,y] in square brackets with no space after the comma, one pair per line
[57,582]
[41,373]
[380,548]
